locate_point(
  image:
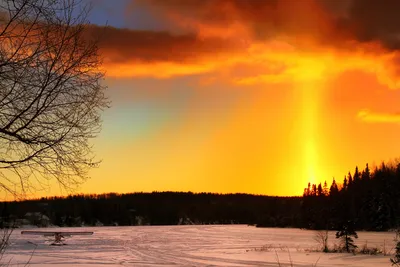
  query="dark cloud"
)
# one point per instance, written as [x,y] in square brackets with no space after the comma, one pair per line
[265,18]
[371,20]
[124,45]
[326,20]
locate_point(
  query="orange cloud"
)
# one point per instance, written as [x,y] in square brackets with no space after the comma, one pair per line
[160,70]
[376,117]
[277,40]
[265,62]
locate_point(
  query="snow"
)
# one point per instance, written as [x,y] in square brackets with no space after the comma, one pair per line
[189,245]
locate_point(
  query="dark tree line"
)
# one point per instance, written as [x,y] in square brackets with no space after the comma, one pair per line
[160,208]
[368,200]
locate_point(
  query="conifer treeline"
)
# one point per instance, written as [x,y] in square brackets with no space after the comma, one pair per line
[365,200]
[160,208]
[369,200]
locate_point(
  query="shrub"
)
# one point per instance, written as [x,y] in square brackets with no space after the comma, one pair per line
[321,237]
[370,251]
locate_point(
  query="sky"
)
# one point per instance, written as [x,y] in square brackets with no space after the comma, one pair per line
[252,96]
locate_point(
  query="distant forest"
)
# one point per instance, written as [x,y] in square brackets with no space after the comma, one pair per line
[369,200]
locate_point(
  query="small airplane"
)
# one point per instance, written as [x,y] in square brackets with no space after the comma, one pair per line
[59,236]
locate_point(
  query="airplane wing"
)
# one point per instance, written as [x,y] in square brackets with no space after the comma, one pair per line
[44,233]
[52,233]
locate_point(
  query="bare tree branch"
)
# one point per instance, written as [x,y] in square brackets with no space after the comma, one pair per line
[51,96]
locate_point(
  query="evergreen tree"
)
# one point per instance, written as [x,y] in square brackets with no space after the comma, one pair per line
[334,190]
[396,259]
[308,189]
[325,189]
[314,190]
[319,190]
[346,232]
[345,183]
[357,176]
[349,180]
[381,215]
[366,174]
[305,192]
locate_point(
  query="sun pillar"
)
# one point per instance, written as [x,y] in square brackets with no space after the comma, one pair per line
[308,131]
[310,78]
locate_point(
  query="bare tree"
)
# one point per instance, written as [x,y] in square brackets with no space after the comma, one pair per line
[321,237]
[51,96]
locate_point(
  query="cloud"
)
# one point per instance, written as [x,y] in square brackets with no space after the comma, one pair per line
[360,20]
[369,20]
[123,45]
[376,117]
[132,53]
[259,19]
[277,40]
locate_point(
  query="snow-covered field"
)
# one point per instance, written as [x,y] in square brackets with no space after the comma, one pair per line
[211,245]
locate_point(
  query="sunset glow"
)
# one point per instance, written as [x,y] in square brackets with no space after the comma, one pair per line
[243,96]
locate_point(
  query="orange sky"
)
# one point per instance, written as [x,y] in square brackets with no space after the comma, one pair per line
[246,96]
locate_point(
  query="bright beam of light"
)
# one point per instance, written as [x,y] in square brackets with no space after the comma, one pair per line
[310,96]
[309,130]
